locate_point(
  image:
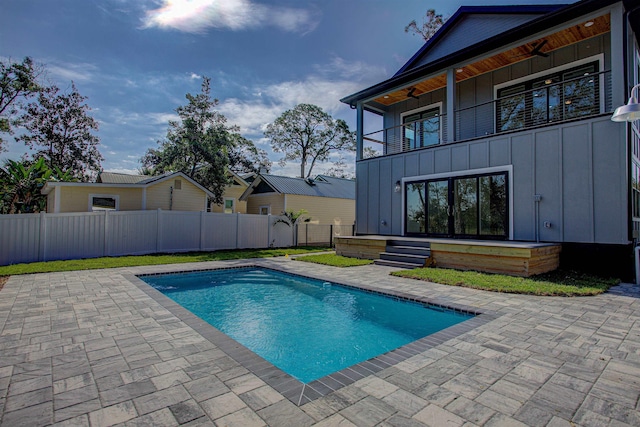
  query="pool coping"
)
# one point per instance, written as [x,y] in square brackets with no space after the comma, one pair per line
[293,389]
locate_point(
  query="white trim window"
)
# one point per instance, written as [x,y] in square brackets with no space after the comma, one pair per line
[104,202]
[265,210]
[229,205]
[558,94]
[422,127]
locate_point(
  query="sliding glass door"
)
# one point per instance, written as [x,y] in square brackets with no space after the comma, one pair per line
[468,207]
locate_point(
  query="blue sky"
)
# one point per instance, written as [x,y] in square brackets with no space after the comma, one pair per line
[135,60]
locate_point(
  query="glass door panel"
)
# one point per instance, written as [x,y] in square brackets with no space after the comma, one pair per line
[492,191]
[465,206]
[438,207]
[415,217]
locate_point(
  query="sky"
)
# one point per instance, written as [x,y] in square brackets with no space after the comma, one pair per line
[136,59]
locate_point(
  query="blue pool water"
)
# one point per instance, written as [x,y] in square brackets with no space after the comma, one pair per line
[306,327]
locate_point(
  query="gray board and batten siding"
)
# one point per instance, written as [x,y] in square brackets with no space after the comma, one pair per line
[574,167]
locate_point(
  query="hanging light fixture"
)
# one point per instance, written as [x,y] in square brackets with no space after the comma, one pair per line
[629,112]
[398,187]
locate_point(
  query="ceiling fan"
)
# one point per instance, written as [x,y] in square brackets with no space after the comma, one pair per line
[536,49]
[410,93]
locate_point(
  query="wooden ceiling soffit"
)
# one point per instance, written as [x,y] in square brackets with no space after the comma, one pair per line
[560,39]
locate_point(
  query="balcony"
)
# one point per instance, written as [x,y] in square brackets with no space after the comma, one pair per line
[518,108]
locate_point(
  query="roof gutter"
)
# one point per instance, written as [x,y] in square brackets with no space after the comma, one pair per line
[539,24]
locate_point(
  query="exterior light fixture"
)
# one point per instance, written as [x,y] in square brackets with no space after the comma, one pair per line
[629,112]
[386,97]
[398,187]
[548,81]
[588,24]
[459,70]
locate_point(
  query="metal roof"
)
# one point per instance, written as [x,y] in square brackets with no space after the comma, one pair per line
[120,178]
[321,186]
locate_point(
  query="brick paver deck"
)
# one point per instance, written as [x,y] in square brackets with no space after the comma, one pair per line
[98,348]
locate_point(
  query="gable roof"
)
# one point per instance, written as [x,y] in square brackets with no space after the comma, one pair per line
[147,182]
[474,23]
[120,178]
[321,186]
[442,60]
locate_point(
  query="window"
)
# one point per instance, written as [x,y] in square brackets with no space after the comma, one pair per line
[229,205]
[562,95]
[103,202]
[265,210]
[421,128]
[177,184]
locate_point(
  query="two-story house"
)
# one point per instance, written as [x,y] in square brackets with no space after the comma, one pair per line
[499,129]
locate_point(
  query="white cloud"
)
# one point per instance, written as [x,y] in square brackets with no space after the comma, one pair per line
[198,16]
[81,72]
[251,116]
[160,118]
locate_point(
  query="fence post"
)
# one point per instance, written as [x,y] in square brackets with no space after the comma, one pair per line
[42,237]
[330,235]
[158,229]
[237,230]
[269,230]
[202,231]
[105,246]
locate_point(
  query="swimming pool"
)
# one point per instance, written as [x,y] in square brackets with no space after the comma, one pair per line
[306,327]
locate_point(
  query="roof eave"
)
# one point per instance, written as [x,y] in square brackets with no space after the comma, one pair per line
[549,20]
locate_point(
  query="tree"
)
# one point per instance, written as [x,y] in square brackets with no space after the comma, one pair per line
[291,218]
[202,146]
[21,182]
[245,157]
[61,131]
[17,81]
[308,134]
[431,23]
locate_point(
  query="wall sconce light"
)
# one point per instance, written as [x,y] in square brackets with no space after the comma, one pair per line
[629,112]
[398,187]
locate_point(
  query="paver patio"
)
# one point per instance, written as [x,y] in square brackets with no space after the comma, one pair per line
[94,348]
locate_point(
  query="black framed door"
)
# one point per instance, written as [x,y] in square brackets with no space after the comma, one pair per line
[475,206]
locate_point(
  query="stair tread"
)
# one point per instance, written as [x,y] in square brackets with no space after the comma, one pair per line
[404,255]
[389,263]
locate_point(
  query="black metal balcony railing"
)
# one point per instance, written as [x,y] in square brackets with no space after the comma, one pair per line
[585,96]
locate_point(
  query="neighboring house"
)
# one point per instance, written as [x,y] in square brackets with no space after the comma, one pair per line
[499,127]
[122,192]
[232,202]
[326,199]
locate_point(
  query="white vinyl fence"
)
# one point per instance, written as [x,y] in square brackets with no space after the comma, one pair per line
[46,237]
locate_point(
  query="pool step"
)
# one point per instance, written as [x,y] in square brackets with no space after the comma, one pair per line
[405,254]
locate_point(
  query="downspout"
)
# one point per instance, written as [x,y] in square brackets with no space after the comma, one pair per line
[171,198]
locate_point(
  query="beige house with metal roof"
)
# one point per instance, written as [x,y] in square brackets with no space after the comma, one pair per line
[327,200]
[122,192]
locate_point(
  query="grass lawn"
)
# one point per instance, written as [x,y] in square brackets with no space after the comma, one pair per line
[558,283]
[334,260]
[156,259]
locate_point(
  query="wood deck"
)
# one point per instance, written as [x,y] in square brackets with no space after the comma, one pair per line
[505,257]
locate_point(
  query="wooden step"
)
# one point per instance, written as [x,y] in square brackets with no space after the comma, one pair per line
[419,260]
[398,264]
